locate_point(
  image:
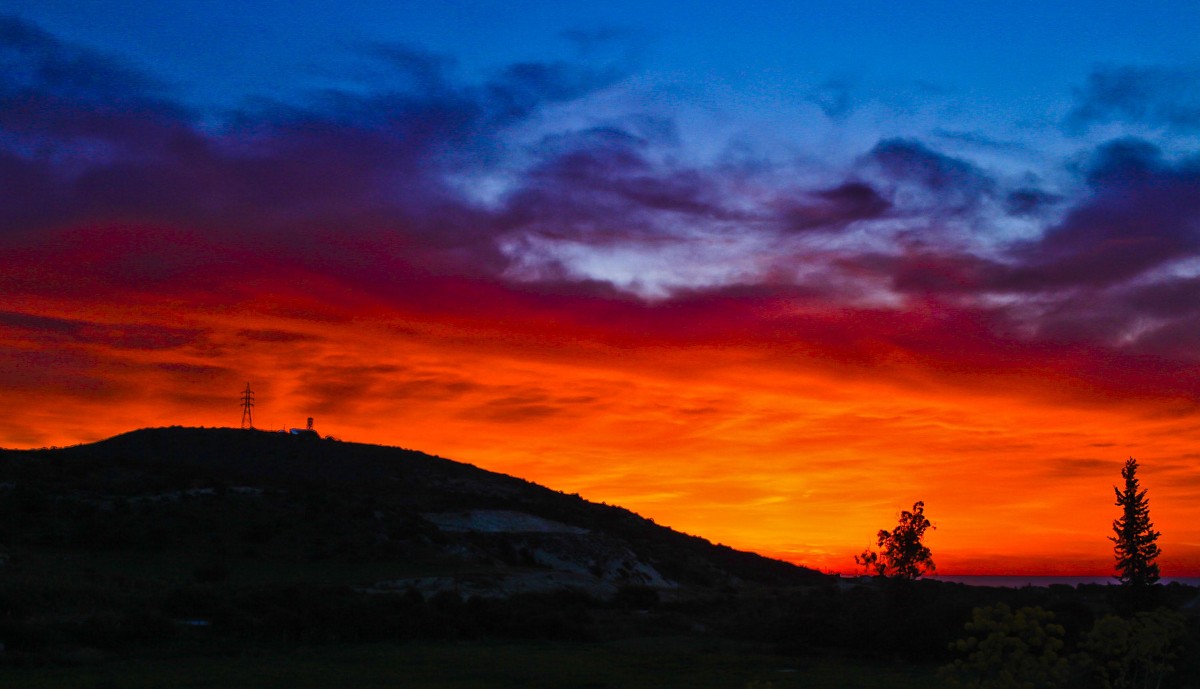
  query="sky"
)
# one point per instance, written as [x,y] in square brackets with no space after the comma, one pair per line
[768,274]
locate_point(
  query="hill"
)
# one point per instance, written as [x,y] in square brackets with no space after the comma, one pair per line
[218,536]
[230,492]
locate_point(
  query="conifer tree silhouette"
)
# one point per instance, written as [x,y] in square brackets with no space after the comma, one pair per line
[1135,540]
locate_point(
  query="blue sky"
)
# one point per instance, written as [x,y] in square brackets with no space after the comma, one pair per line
[999,53]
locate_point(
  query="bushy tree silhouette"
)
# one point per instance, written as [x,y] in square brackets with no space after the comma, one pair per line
[1009,649]
[1134,542]
[1137,651]
[903,553]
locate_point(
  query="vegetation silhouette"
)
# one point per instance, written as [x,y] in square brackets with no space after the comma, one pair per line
[1135,651]
[903,553]
[1134,540]
[1007,649]
[1030,648]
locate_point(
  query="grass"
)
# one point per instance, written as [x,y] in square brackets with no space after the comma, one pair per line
[176,566]
[652,663]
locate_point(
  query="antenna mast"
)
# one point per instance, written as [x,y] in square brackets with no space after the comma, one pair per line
[247,407]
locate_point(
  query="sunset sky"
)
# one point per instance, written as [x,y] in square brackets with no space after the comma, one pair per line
[768,275]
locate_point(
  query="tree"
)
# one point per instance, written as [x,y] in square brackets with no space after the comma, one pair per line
[1134,542]
[1009,649]
[1134,652]
[903,553]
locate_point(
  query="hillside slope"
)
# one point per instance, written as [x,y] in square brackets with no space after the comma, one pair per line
[223,496]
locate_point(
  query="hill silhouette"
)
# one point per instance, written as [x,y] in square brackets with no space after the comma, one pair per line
[230,493]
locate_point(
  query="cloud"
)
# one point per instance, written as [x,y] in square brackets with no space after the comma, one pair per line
[334,384]
[928,270]
[525,407]
[63,110]
[834,208]
[835,98]
[1079,468]
[1176,339]
[92,141]
[39,66]
[55,372]
[592,229]
[1156,96]
[948,183]
[1169,298]
[522,87]
[75,107]
[275,336]
[1142,212]
[1029,202]
[44,330]
[601,186]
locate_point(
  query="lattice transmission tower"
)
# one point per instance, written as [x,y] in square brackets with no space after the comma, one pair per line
[247,407]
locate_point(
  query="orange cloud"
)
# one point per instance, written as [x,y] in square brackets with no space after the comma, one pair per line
[793,456]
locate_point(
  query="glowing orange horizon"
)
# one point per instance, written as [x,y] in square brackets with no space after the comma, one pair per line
[784,453]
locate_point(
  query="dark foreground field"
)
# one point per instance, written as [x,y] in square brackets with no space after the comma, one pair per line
[660,663]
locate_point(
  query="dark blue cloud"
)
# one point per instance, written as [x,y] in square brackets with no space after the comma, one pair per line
[1029,202]
[1142,212]
[835,98]
[80,104]
[85,139]
[1156,96]
[949,184]
[835,208]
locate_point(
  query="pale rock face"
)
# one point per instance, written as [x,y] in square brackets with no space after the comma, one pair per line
[560,556]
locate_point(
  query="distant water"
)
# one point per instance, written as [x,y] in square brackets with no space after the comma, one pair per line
[1022,581]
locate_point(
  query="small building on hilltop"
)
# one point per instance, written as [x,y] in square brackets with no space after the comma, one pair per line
[307,431]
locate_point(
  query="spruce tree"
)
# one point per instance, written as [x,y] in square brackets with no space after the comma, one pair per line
[1134,544]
